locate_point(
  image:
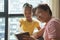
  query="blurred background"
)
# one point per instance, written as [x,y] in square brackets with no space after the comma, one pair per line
[12,10]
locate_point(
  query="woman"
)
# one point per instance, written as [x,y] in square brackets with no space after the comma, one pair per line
[52,27]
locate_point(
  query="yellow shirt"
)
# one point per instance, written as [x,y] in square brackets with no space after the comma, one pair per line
[28,26]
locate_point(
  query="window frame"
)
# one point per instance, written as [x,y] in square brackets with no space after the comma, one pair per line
[6,18]
[5,15]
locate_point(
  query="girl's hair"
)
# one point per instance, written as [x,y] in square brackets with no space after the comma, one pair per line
[45,7]
[27,5]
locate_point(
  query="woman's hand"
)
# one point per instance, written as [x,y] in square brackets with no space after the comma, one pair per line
[38,34]
[35,35]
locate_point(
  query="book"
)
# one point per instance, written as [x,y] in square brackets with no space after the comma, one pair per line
[22,36]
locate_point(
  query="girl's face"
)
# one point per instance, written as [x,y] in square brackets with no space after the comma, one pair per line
[42,15]
[28,13]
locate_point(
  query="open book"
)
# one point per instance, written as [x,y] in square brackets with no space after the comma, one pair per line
[22,36]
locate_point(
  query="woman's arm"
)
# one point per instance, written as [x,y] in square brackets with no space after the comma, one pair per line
[39,33]
[53,39]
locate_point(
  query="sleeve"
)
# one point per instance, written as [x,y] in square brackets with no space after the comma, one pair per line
[51,30]
[21,21]
[37,24]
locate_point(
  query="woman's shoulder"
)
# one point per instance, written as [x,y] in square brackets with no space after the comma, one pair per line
[55,20]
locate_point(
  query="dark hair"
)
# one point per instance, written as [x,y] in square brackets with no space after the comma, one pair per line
[45,7]
[27,5]
[34,10]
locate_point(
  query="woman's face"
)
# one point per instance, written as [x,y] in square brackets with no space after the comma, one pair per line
[42,15]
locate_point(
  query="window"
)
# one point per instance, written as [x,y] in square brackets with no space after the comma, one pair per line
[2,20]
[16,6]
[1,5]
[2,28]
[14,27]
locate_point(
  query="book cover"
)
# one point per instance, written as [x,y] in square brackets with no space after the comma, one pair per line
[22,36]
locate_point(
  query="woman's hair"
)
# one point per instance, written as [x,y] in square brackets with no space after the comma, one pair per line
[45,7]
[34,10]
[27,5]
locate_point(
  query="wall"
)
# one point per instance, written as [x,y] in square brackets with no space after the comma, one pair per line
[59,9]
[55,7]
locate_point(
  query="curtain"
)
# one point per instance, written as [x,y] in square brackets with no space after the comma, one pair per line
[55,8]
